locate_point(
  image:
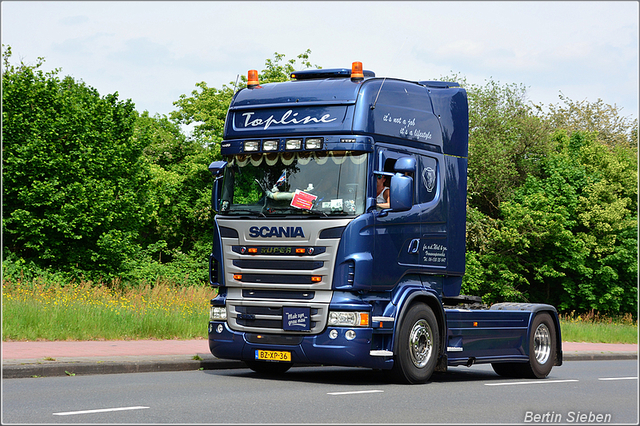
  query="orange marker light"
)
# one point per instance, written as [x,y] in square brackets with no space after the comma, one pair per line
[364,319]
[237,277]
[316,279]
[252,79]
[301,251]
[475,324]
[253,250]
[356,71]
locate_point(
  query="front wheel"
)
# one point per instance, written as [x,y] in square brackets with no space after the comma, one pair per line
[418,345]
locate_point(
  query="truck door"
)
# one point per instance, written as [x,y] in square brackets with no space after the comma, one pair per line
[394,253]
[433,219]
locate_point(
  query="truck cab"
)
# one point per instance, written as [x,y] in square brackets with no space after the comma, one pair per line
[309,268]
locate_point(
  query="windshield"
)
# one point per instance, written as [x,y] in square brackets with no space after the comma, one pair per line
[325,183]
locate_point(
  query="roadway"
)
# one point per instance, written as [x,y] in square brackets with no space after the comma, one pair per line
[576,392]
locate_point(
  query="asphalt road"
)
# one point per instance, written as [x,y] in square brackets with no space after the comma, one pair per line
[576,392]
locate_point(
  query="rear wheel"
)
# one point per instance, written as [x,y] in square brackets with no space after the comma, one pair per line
[542,352]
[418,345]
[269,368]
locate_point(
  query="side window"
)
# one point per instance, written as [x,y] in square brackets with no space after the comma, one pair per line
[427,179]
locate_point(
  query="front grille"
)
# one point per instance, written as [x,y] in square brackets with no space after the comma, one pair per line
[278,294]
[276,279]
[280,265]
[266,317]
[263,274]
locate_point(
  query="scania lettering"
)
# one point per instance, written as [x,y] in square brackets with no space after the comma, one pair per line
[309,269]
[276,231]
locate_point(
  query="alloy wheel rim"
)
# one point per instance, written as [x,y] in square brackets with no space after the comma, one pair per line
[420,343]
[542,343]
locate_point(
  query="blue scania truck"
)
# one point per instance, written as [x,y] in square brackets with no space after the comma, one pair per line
[311,270]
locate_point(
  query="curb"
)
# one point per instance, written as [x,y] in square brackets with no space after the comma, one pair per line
[598,356]
[19,369]
[116,365]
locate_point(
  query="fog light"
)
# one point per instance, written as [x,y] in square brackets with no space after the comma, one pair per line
[350,334]
[333,334]
[220,328]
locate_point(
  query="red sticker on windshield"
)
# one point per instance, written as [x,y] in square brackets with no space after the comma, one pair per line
[303,200]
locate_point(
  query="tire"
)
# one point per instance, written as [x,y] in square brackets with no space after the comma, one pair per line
[542,352]
[269,368]
[418,346]
[508,369]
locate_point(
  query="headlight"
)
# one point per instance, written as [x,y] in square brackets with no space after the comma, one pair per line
[349,319]
[218,313]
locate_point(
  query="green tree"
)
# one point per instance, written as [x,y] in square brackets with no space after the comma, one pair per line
[75,183]
[178,237]
[614,129]
[566,236]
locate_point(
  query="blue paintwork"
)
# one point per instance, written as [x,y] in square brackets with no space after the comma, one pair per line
[412,254]
[317,349]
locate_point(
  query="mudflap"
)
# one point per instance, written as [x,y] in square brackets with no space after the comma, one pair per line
[441,366]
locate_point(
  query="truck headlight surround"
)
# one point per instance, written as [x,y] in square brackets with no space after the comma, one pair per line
[348,319]
[218,313]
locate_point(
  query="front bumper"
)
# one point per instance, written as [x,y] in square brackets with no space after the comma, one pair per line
[225,343]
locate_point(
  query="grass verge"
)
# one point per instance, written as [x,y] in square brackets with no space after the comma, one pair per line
[593,328]
[41,310]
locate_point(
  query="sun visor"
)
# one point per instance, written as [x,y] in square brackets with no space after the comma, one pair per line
[243,122]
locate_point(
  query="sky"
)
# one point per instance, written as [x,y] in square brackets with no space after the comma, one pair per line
[154,51]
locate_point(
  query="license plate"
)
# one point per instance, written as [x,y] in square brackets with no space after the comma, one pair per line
[273,355]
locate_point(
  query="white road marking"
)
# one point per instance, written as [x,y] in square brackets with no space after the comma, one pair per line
[529,383]
[353,392]
[618,378]
[102,410]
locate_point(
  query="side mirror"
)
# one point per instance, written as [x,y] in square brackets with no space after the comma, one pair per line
[217,170]
[405,165]
[401,192]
